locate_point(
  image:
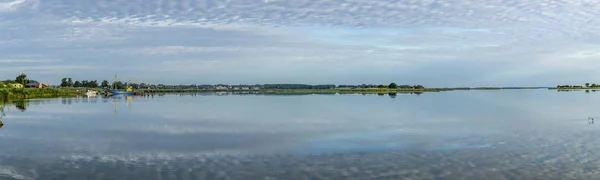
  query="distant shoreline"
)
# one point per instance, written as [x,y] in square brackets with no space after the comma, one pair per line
[595,88]
[28,93]
[336,90]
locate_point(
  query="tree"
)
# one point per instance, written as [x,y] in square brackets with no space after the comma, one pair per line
[594,85]
[119,85]
[2,85]
[105,84]
[64,82]
[587,84]
[85,83]
[69,82]
[22,78]
[10,86]
[419,87]
[381,86]
[94,84]
[393,86]
[77,84]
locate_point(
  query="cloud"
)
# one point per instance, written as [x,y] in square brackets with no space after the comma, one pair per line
[166,50]
[347,42]
[28,60]
[49,69]
[16,5]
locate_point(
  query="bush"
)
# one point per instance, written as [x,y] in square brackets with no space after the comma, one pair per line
[2,85]
[10,86]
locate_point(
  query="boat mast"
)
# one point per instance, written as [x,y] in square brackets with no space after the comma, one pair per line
[115,81]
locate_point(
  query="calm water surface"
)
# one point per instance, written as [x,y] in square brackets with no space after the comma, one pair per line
[509,134]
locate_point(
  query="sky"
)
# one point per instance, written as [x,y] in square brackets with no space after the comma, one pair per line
[436,43]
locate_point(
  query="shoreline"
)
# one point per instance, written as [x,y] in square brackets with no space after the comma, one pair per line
[29,93]
[574,89]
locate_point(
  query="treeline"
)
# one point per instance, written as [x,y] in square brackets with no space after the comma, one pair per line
[587,85]
[391,85]
[21,78]
[68,82]
[276,86]
[297,86]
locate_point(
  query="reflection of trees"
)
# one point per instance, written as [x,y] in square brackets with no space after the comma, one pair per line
[2,106]
[21,105]
[392,95]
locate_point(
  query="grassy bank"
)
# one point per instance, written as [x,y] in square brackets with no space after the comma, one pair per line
[23,93]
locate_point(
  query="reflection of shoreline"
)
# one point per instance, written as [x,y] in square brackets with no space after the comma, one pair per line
[20,104]
[242,93]
[128,99]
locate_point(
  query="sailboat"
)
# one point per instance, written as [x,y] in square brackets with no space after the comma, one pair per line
[114,91]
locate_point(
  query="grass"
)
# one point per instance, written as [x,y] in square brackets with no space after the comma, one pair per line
[24,93]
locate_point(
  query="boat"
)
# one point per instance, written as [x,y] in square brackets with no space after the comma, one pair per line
[114,91]
[91,93]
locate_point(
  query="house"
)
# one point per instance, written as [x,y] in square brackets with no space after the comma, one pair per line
[221,87]
[16,85]
[36,85]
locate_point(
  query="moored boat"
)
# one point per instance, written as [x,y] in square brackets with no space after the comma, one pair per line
[114,91]
[91,93]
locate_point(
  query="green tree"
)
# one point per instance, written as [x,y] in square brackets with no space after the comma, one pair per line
[77,84]
[419,87]
[381,86]
[104,84]
[119,85]
[587,84]
[10,86]
[85,83]
[594,85]
[64,82]
[94,84]
[69,82]
[22,78]
[393,86]
[2,85]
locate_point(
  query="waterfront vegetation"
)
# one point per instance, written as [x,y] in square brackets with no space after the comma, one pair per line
[574,87]
[22,93]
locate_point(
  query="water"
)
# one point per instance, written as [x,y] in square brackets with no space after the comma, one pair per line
[508,134]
